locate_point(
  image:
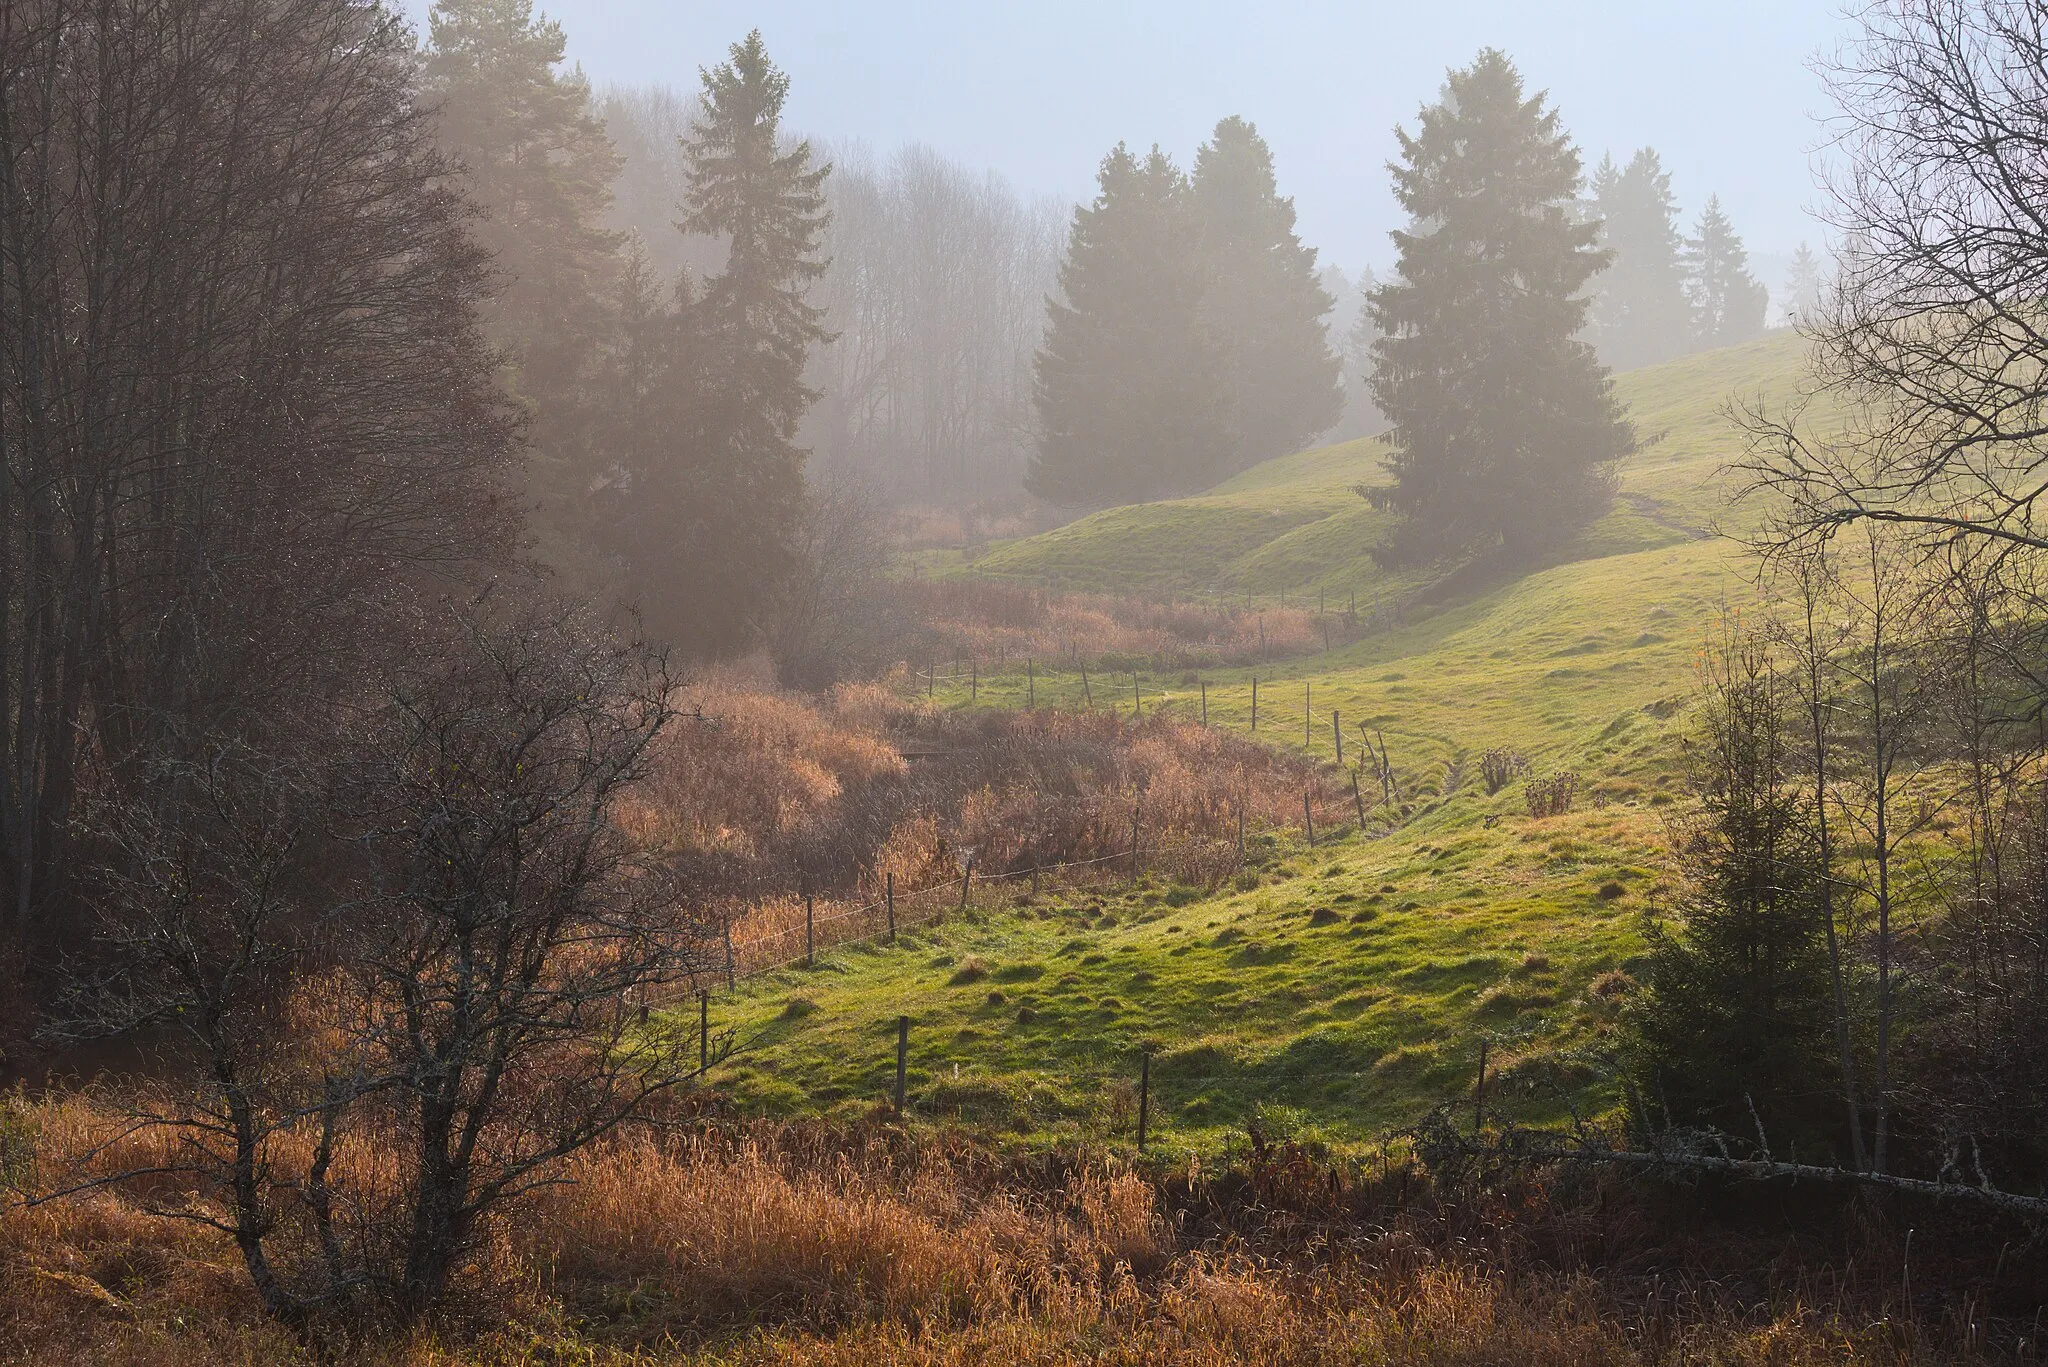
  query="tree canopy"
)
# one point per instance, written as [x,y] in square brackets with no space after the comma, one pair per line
[1127,394]
[1505,425]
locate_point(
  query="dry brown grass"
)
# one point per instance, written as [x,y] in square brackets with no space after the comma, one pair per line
[808,1245]
[773,795]
[748,764]
[993,621]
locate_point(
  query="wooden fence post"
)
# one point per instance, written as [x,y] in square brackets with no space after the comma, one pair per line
[1358,801]
[730,976]
[902,1058]
[1137,697]
[1087,694]
[703,1032]
[1479,1091]
[892,907]
[1308,815]
[966,881]
[810,935]
[1337,733]
[931,679]
[1136,810]
[1255,703]
[1144,1097]
[974,678]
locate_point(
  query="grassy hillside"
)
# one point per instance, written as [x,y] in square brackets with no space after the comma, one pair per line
[1297,523]
[1344,989]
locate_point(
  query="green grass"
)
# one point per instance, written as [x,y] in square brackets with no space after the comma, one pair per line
[1297,523]
[1349,989]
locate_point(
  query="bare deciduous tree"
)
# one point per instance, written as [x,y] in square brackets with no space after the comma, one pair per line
[1931,345]
[412,978]
[242,393]
[937,293]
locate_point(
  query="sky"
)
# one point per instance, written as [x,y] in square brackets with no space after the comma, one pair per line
[1039,91]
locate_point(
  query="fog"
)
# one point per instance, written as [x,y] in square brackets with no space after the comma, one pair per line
[1037,93]
[692,682]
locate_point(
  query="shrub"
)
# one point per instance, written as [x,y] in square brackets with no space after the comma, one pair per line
[1499,767]
[1611,986]
[1552,796]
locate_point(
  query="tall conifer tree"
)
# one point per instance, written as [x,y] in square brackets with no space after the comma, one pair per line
[767,202]
[1505,425]
[706,513]
[1126,382]
[1728,304]
[539,166]
[1802,286]
[1639,315]
[1263,305]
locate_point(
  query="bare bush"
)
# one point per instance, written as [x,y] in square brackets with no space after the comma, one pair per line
[412,977]
[1553,795]
[1499,767]
[837,616]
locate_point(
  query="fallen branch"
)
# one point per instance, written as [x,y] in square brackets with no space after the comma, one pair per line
[1534,1145]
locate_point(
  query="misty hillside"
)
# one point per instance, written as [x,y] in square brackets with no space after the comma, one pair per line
[1296,524]
[785,683]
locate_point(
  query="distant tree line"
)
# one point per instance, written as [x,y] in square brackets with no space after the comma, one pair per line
[1665,293]
[936,294]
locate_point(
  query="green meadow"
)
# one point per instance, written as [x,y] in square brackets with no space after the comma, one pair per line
[1341,991]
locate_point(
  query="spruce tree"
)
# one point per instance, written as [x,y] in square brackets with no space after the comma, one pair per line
[1505,426]
[538,166]
[1802,286]
[1728,305]
[1639,315]
[767,202]
[706,511]
[1737,1007]
[1127,380]
[1262,304]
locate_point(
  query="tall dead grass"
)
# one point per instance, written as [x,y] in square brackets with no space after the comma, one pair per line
[808,1245]
[770,801]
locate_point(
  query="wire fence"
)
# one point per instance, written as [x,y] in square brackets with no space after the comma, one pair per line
[751,950]
[1263,707]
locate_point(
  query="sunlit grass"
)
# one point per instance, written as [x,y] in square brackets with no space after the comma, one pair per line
[1345,990]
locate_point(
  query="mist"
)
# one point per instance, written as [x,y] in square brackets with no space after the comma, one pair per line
[1149,684]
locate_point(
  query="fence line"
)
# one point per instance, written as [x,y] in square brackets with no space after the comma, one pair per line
[1279,718]
[924,904]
